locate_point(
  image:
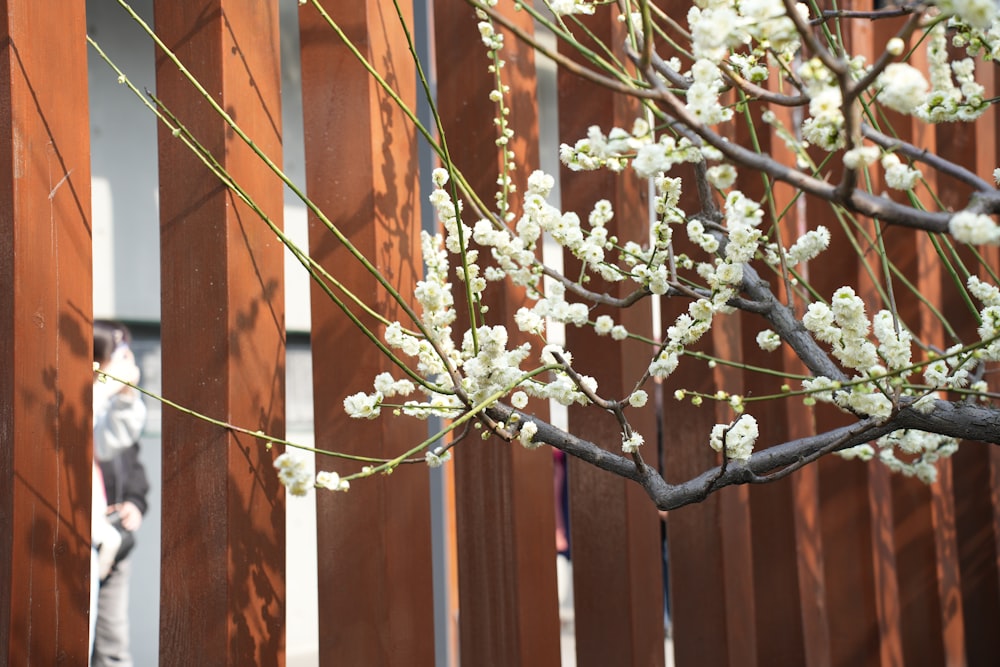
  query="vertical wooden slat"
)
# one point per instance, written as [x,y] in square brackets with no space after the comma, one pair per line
[975,468]
[375,593]
[615,532]
[45,335]
[923,522]
[508,599]
[712,621]
[793,541]
[855,499]
[734,510]
[222,590]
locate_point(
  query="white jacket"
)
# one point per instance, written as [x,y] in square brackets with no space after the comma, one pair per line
[118,419]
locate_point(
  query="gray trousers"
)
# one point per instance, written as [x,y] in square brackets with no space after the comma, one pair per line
[111,641]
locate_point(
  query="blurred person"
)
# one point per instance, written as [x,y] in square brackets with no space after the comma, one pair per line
[119,417]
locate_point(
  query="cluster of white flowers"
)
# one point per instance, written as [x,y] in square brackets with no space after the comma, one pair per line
[724,275]
[895,344]
[825,125]
[369,406]
[948,102]
[981,14]
[492,39]
[768,24]
[806,248]
[844,326]
[921,451]
[809,245]
[656,158]
[435,458]
[716,26]
[902,87]
[703,94]
[293,473]
[568,7]
[490,367]
[632,442]
[363,406]
[330,480]
[527,434]
[740,437]
[899,176]
[612,151]
[713,27]
[974,228]
[860,157]
[989,316]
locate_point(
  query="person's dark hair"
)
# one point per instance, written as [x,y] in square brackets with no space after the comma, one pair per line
[107,336]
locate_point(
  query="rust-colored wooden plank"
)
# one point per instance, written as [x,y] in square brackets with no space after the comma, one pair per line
[222,591]
[926,568]
[855,514]
[734,519]
[855,499]
[615,531]
[702,605]
[45,335]
[974,468]
[976,482]
[375,590]
[508,598]
[794,540]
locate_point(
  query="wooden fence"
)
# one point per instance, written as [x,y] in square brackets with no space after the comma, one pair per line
[840,564]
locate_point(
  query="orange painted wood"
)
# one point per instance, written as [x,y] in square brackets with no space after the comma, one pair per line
[975,468]
[789,623]
[45,336]
[222,587]
[795,501]
[855,516]
[505,511]
[712,620]
[615,530]
[375,592]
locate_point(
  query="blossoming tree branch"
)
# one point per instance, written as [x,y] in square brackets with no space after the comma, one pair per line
[707,86]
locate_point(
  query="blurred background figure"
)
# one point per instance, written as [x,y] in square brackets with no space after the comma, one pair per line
[119,417]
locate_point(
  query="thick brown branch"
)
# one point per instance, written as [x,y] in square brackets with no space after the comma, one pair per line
[964,421]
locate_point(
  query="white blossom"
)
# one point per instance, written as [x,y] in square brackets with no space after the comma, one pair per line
[519,400]
[603,325]
[293,473]
[740,436]
[567,7]
[974,228]
[631,443]
[903,87]
[436,458]
[721,176]
[638,398]
[528,431]
[899,176]
[326,479]
[809,245]
[861,156]
[768,340]
[363,406]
